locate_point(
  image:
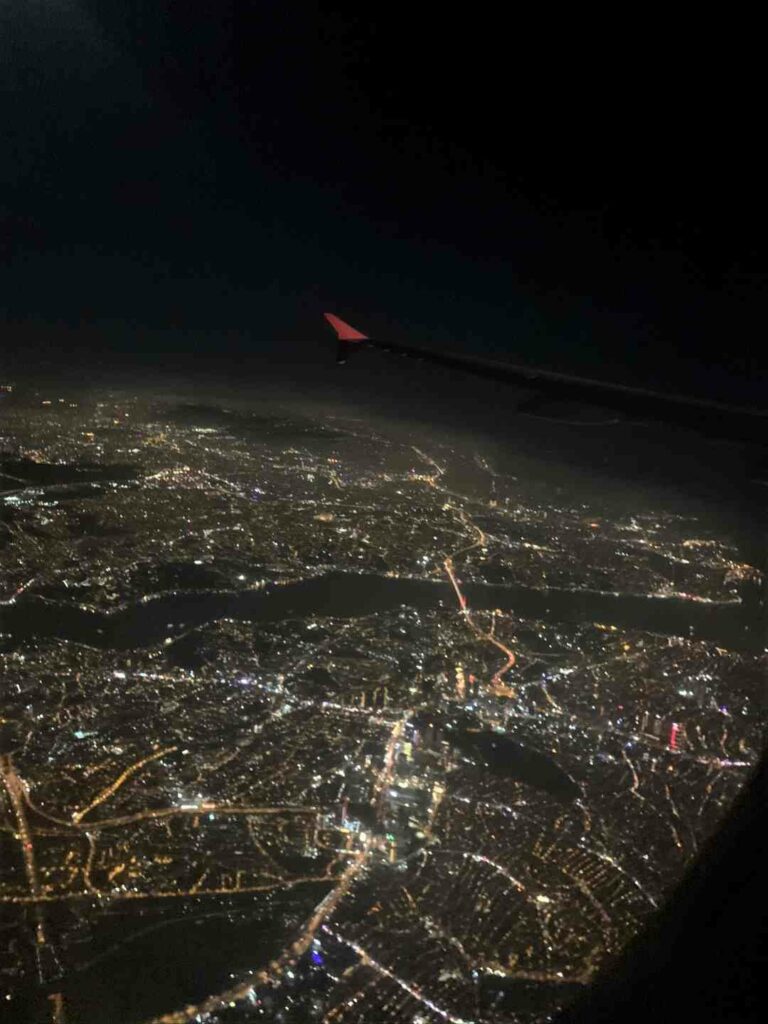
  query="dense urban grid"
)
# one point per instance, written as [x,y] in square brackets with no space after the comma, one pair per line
[310,720]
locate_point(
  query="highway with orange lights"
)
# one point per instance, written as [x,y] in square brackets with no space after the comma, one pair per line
[45,952]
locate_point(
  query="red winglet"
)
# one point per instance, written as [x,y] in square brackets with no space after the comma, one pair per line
[343,331]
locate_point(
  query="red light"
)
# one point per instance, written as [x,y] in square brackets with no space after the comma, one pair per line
[343,331]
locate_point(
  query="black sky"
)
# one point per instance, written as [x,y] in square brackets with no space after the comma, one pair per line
[587,195]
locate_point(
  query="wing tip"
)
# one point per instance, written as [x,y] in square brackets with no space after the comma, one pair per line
[344,332]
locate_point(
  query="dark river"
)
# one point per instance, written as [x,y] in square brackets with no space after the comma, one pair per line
[348,595]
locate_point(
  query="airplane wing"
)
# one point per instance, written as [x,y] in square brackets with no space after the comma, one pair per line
[717,418]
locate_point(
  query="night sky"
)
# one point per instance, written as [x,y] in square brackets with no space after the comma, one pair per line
[583,195]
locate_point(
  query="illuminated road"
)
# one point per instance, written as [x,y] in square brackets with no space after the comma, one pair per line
[389,765]
[206,807]
[15,788]
[413,991]
[45,953]
[39,896]
[105,794]
[497,684]
[322,911]
[57,1008]
[499,687]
